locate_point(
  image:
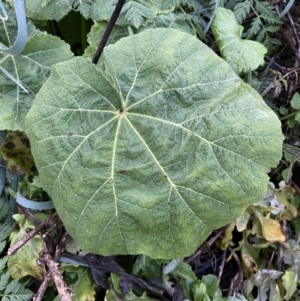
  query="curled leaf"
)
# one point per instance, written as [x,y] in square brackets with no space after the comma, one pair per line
[268,228]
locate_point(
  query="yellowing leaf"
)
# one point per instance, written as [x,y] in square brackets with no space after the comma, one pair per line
[24,261]
[242,221]
[272,230]
[249,259]
[244,55]
[284,195]
[267,228]
[275,293]
[16,153]
[226,239]
[249,265]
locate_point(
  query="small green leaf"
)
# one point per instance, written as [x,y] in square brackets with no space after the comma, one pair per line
[184,270]
[289,282]
[291,122]
[146,267]
[5,228]
[115,279]
[85,7]
[295,102]
[212,286]
[83,289]
[137,13]
[297,117]
[4,277]
[244,55]
[4,210]
[199,290]
[283,111]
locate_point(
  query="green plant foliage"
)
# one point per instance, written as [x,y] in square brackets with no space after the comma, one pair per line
[5,226]
[48,9]
[242,9]
[146,267]
[264,23]
[31,68]
[295,101]
[136,13]
[171,145]
[244,55]
[24,261]
[207,289]
[97,31]
[32,188]
[85,7]
[170,20]
[83,289]
[141,12]
[289,281]
[10,290]
[291,117]
[184,271]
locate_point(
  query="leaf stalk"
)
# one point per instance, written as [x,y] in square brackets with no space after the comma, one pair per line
[108,30]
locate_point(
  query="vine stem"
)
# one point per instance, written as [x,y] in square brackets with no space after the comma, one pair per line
[288,116]
[108,31]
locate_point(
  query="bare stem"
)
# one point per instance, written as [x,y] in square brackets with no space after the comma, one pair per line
[108,30]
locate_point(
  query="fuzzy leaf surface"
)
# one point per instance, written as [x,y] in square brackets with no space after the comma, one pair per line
[152,149]
[134,12]
[31,68]
[170,20]
[47,9]
[245,55]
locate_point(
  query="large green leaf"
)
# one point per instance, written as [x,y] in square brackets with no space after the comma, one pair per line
[244,55]
[31,68]
[154,150]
